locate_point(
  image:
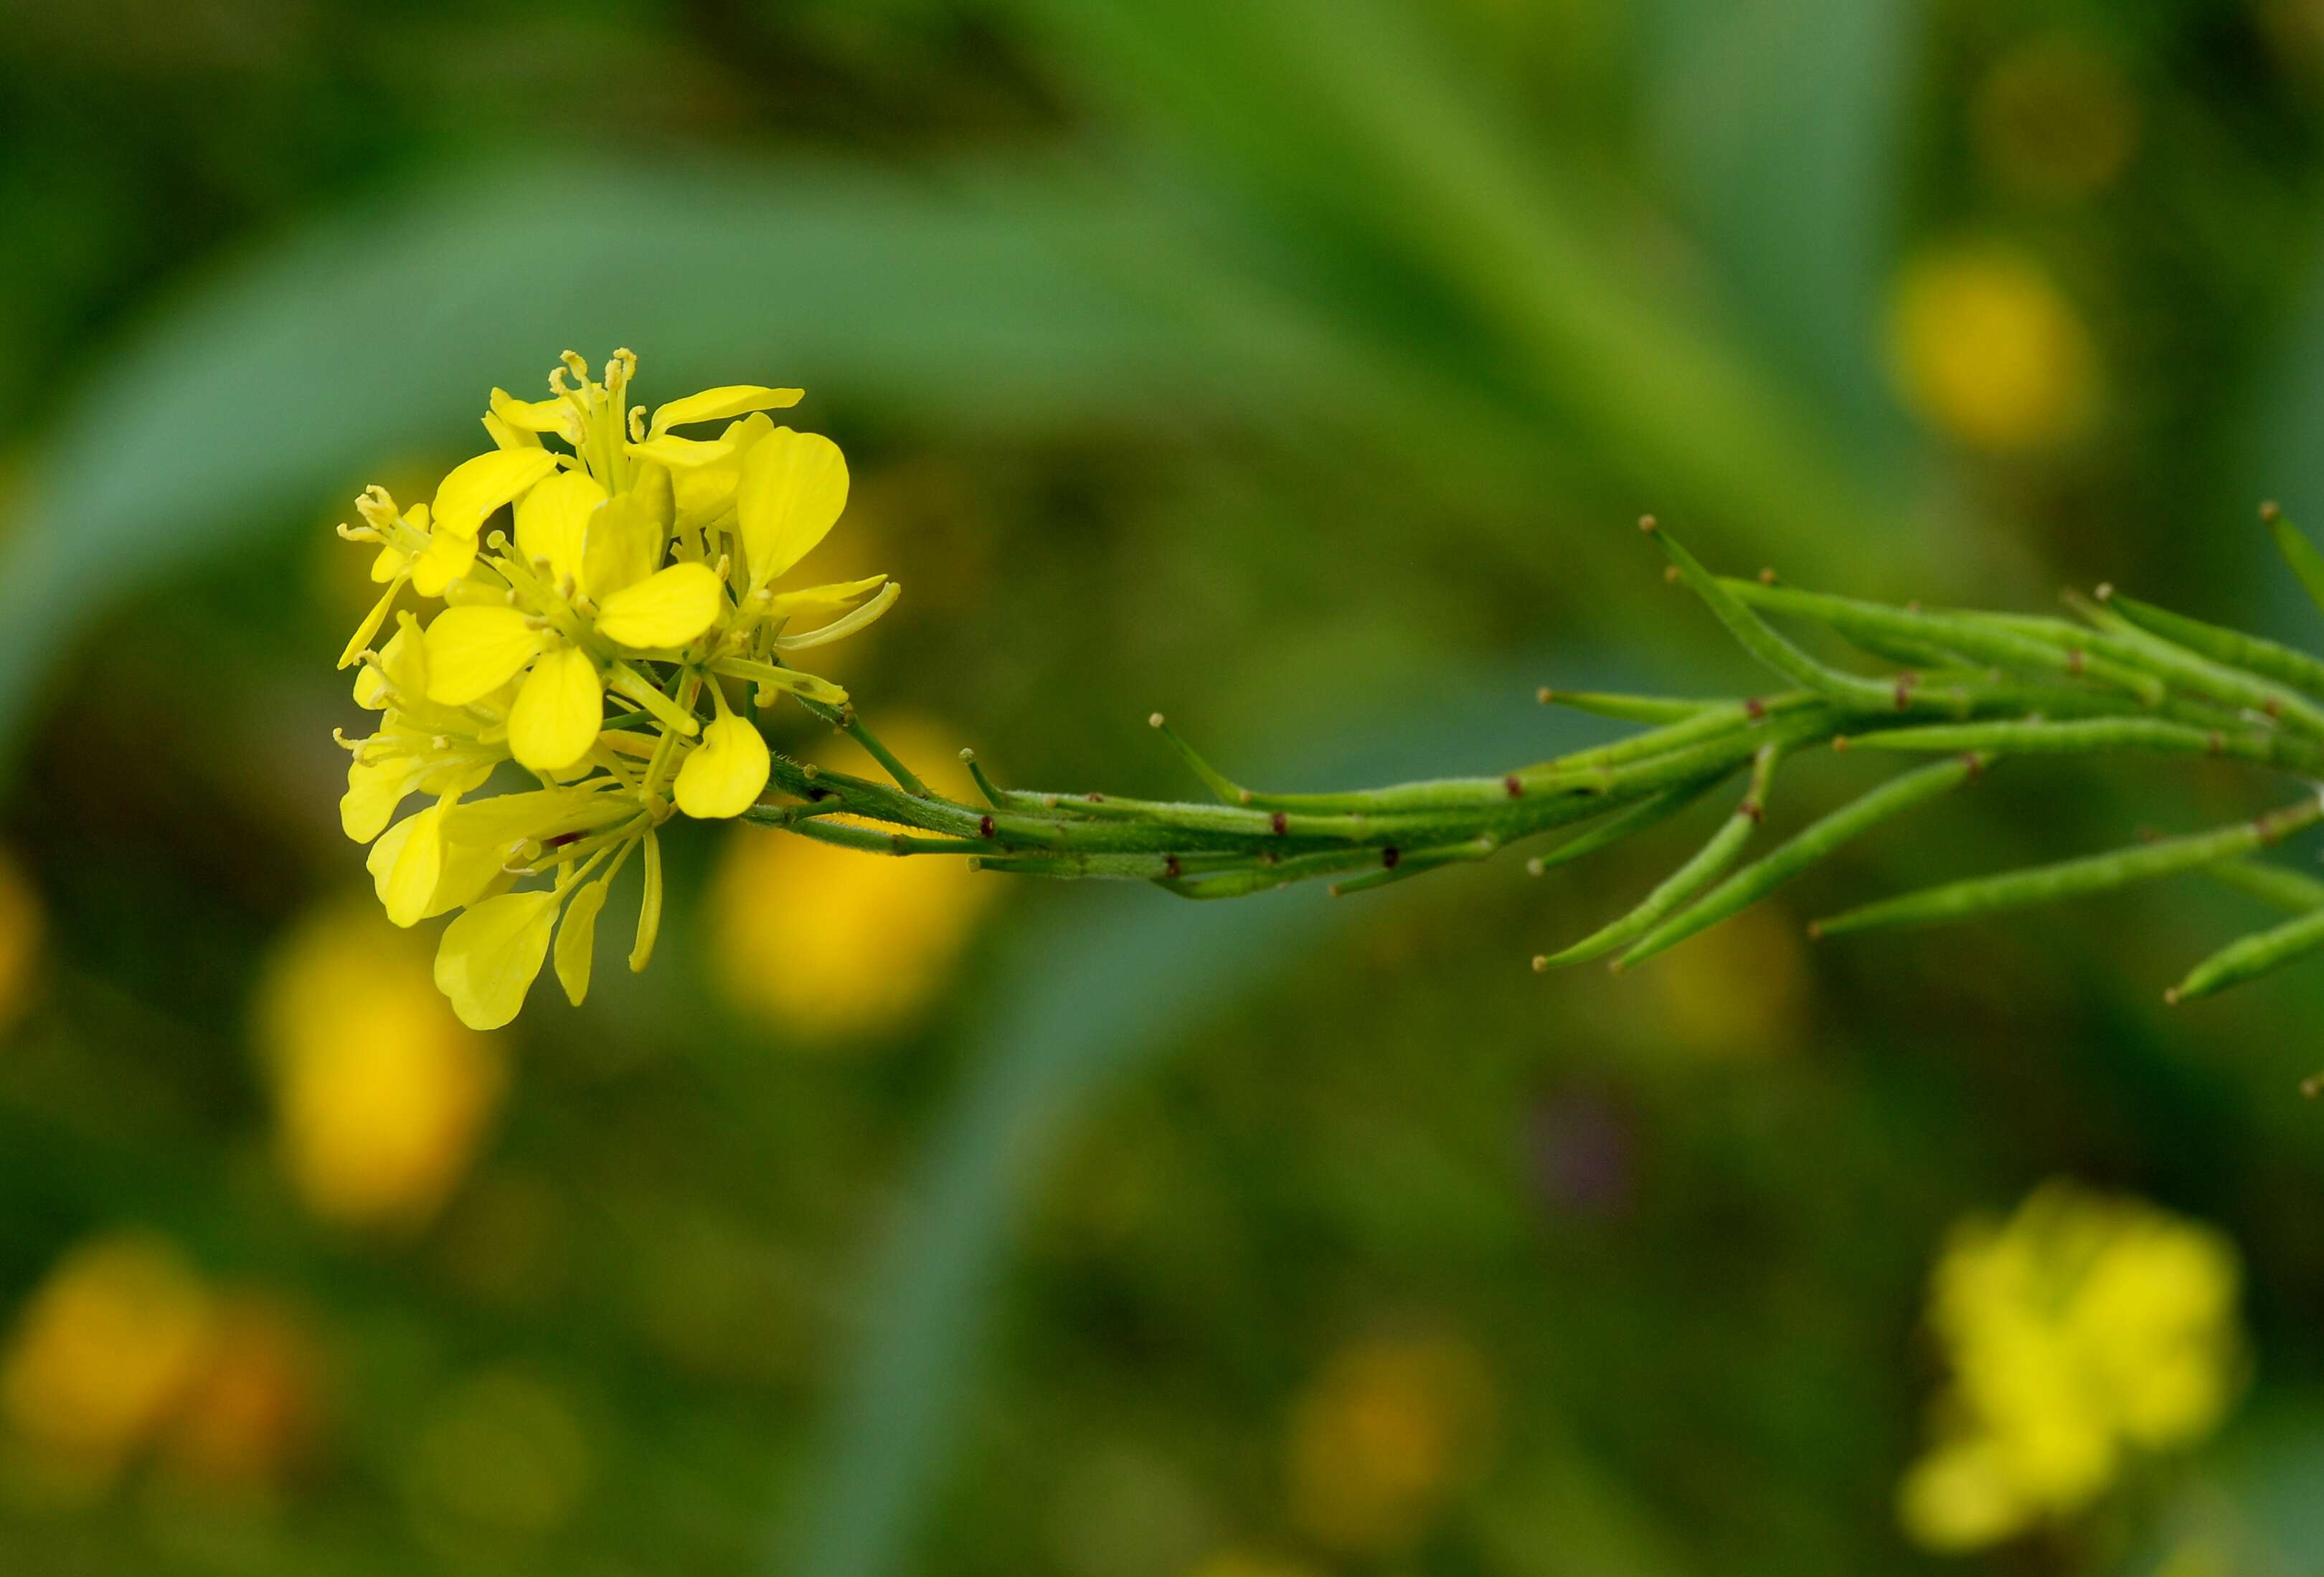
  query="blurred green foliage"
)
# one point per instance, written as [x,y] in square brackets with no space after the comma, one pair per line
[1295,366]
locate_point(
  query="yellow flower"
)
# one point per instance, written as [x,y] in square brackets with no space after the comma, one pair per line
[833,944]
[104,1352]
[2082,1330]
[1380,1438]
[1989,351]
[380,1098]
[638,573]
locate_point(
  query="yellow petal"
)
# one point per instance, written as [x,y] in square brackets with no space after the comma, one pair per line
[812,605]
[846,624]
[794,485]
[361,641]
[406,862]
[489,955]
[388,563]
[577,941]
[531,415]
[718,404]
[539,814]
[445,560]
[373,791]
[550,521]
[620,546]
[685,453]
[558,710]
[668,608]
[726,774]
[477,487]
[473,652]
[648,908]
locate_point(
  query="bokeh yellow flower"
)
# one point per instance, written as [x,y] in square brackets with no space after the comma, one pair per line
[1381,1437]
[1989,351]
[103,1354]
[836,945]
[2082,1330]
[381,1096]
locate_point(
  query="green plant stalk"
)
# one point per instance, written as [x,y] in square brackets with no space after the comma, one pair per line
[2133,682]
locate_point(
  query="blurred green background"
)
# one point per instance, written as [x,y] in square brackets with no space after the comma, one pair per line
[1295,367]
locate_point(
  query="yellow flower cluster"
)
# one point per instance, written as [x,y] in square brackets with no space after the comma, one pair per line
[2080,1332]
[635,584]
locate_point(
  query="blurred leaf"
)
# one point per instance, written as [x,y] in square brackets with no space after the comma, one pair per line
[1355,112]
[1781,127]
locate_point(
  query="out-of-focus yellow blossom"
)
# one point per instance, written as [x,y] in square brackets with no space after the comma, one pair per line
[2056,117]
[2082,1330]
[21,925]
[1988,350]
[1381,1437]
[105,1354]
[381,1096]
[639,571]
[823,941]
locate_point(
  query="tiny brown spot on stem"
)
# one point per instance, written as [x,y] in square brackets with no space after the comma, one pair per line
[984,826]
[1170,866]
[1754,809]
[2270,512]
[1390,856]
[2075,661]
[1754,709]
[1279,823]
[1514,784]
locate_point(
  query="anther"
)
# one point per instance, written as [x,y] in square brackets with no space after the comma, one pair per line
[1545,695]
[2270,512]
[1647,523]
[1155,720]
[1815,930]
[810,772]
[1767,577]
[1670,575]
[1541,964]
[2104,591]
[442,741]
[1535,866]
[966,754]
